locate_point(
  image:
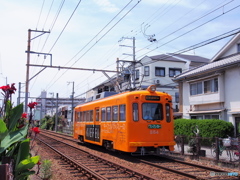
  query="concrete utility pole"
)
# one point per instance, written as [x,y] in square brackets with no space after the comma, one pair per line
[28,62]
[72,101]
[132,62]
[56,115]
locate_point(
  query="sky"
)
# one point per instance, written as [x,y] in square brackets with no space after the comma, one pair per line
[92,34]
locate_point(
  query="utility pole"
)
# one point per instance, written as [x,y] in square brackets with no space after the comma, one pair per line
[19,93]
[56,115]
[28,62]
[72,101]
[133,62]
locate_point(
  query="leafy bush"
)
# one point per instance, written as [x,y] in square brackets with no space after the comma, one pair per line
[208,127]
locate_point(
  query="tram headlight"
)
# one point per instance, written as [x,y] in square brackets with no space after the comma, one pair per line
[152,88]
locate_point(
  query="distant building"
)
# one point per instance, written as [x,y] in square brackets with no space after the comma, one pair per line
[48,105]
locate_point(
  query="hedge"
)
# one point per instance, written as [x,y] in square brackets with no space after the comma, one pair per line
[209,128]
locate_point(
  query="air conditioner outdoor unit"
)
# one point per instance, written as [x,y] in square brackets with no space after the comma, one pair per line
[157,81]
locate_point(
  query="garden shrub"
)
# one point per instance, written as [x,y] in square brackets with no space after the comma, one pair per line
[208,128]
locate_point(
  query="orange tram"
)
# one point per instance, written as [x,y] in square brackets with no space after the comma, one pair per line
[138,122]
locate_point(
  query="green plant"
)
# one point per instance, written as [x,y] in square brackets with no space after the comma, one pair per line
[13,136]
[208,129]
[46,171]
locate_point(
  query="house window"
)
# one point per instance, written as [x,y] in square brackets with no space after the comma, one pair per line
[238,48]
[146,70]
[196,88]
[211,86]
[197,117]
[160,71]
[173,72]
[137,74]
[206,116]
[205,87]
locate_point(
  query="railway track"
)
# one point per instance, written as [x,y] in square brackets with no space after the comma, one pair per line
[168,166]
[92,166]
[187,169]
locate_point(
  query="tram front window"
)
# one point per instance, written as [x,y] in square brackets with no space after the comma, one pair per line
[152,111]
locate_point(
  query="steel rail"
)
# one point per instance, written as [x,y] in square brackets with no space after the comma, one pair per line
[125,169]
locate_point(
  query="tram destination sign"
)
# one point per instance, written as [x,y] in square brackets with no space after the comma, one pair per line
[152,98]
[154,126]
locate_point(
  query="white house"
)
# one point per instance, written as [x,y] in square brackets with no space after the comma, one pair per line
[160,70]
[213,90]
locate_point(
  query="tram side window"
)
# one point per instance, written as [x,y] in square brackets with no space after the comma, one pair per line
[91,115]
[84,115]
[168,113]
[103,114]
[135,112]
[77,119]
[80,116]
[115,113]
[122,112]
[108,113]
[87,116]
[97,114]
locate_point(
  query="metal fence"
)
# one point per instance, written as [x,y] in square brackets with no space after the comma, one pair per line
[216,148]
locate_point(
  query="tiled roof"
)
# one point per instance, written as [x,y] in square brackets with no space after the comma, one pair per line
[165,57]
[217,65]
[193,58]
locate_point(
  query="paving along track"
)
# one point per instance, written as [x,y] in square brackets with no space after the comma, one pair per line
[185,169]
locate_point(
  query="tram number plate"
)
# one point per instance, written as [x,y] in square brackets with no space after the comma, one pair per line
[154,126]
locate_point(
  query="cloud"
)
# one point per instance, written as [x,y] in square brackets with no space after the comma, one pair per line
[106,5]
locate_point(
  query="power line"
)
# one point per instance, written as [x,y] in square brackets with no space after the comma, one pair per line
[100,31]
[98,40]
[65,26]
[204,43]
[193,29]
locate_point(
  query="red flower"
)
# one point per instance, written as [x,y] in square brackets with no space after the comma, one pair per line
[11,89]
[36,130]
[24,115]
[39,163]
[32,105]
[5,88]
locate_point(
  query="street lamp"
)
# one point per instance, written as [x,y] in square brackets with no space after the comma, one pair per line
[72,100]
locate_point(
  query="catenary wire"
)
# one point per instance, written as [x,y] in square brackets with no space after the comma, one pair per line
[192,30]
[97,41]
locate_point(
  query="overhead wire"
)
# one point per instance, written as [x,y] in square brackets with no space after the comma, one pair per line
[201,2]
[64,26]
[207,22]
[78,59]
[195,20]
[198,45]
[51,27]
[97,41]
[191,30]
[98,34]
